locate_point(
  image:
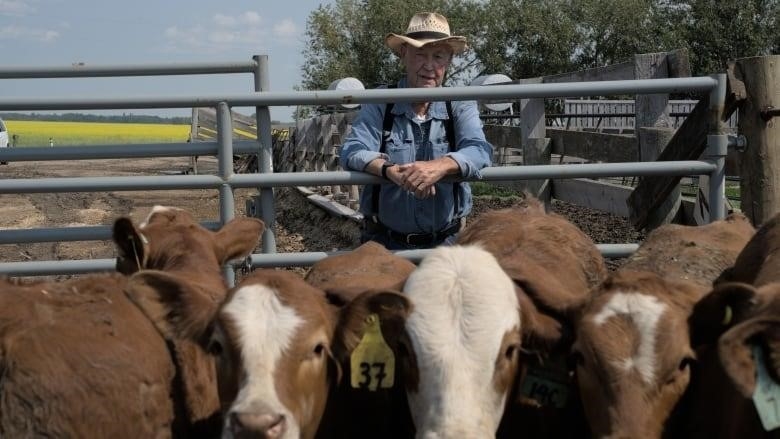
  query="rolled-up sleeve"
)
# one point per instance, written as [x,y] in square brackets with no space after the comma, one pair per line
[473,151]
[362,144]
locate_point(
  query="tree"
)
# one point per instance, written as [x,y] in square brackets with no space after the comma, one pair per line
[525,38]
[613,31]
[723,30]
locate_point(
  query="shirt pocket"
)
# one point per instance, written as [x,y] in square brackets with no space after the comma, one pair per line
[398,148]
[440,147]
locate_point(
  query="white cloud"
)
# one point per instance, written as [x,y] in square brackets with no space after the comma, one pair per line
[224,20]
[28,34]
[251,17]
[285,29]
[17,7]
[225,32]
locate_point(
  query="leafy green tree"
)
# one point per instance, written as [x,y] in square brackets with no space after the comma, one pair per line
[525,38]
[612,31]
[721,30]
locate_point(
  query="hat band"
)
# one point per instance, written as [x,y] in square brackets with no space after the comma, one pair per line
[427,35]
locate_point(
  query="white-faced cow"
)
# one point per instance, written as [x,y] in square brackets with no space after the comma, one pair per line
[276,339]
[465,335]
[553,265]
[633,353]
[77,359]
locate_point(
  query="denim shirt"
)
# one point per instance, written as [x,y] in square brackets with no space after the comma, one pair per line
[414,140]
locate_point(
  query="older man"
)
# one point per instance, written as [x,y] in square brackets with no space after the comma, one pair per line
[413,146]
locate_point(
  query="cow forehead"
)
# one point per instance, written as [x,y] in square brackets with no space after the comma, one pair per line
[644,312]
[462,299]
[264,326]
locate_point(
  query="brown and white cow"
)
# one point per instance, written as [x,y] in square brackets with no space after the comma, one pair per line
[78,359]
[633,352]
[465,333]
[553,265]
[461,336]
[276,339]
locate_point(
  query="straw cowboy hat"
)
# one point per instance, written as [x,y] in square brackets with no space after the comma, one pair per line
[426,28]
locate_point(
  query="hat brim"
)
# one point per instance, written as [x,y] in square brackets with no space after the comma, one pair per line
[395,41]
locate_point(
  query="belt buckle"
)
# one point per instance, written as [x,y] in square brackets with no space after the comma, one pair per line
[410,236]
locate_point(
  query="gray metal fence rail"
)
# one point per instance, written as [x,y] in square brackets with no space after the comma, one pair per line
[266,179]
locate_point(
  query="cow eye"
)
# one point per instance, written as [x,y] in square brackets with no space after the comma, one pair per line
[511,351]
[214,348]
[319,349]
[686,362]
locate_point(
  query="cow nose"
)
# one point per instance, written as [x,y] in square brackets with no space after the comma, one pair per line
[257,425]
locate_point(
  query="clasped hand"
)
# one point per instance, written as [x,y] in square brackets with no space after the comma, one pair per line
[419,178]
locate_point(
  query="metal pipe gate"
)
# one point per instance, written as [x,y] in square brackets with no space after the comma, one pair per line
[265,180]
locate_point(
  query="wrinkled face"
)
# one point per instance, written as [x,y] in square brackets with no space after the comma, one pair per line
[632,358]
[465,332]
[273,348]
[425,66]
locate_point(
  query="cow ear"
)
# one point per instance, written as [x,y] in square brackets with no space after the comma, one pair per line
[735,349]
[391,307]
[176,307]
[547,306]
[541,331]
[341,296]
[131,245]
[545,289]
[238,238]
[716,312]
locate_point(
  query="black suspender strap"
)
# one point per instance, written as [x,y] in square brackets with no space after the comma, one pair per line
[387,128]
[450,128]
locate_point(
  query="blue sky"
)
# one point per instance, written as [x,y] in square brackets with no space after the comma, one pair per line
[62,32]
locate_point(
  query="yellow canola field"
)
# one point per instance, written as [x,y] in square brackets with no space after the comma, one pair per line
[42,133]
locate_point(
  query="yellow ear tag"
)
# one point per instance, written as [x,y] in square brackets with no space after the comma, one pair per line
[727,315]
[372,361]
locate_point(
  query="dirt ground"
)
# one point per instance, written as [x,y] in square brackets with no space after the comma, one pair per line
[299,226]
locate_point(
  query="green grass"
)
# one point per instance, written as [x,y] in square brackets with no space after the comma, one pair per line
[482,189]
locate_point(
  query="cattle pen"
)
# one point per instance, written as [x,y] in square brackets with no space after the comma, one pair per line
[711,163]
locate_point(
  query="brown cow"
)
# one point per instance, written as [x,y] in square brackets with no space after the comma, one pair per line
[80,360]
[359,412]
[276,339]
[729,328]
[633,355]
[370,266]
[553,265]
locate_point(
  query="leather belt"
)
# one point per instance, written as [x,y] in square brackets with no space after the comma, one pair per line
[418,238]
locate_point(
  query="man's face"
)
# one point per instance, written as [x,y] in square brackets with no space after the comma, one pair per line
[425,66]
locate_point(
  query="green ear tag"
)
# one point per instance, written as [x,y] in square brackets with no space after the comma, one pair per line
[766,397]
[372,361]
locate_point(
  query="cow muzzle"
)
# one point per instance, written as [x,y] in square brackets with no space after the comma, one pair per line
[257,425]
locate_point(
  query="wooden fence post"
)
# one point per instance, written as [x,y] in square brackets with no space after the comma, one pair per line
[759,121]
[193,137]
[651,112]
[653,140]
[536,151]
